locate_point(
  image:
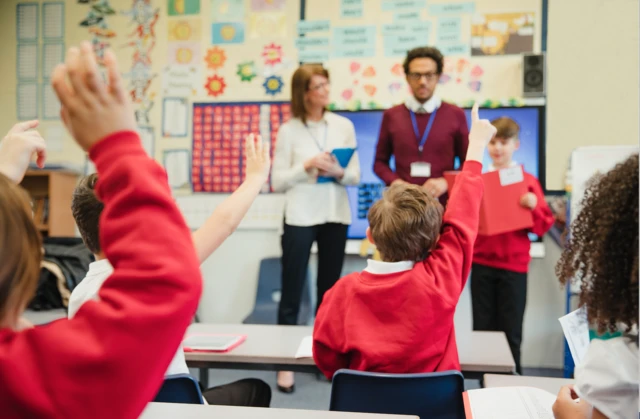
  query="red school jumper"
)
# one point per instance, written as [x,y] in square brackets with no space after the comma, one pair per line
[510,251]
[110,359]
[403,322]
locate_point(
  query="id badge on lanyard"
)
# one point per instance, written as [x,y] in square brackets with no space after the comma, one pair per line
[421,169]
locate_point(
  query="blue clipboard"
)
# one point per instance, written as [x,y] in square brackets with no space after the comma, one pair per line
[343,155]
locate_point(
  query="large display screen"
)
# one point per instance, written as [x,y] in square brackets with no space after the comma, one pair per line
[367,125]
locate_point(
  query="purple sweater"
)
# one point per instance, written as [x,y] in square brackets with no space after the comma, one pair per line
[449,138]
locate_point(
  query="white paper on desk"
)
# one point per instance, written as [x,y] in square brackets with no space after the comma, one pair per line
[305,350]
[575,326]
[511,403]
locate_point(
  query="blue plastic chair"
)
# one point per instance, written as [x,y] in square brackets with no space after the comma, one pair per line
[265,309]
[180,388]
[436,395]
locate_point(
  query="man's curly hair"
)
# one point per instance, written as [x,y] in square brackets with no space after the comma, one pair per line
[603,249]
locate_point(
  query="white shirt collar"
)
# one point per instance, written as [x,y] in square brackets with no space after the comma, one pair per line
[428,107]
[100,267]
[492,168]
[383,268]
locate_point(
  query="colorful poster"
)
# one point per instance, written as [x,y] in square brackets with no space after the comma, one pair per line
[351,9]
[219,130]
[267,5]
[270,25]
[184,30]
[184,53]
[227,10]
[502,33]
[227,33]
[183,7]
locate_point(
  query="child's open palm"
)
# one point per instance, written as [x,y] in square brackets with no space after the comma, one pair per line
[257,157]
[91,109]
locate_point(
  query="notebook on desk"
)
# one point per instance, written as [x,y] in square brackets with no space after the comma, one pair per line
[508,403]
[212,342]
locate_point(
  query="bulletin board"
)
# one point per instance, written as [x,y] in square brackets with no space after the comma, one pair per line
[363,47]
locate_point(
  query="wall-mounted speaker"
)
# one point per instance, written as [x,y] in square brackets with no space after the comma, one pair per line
[534,83]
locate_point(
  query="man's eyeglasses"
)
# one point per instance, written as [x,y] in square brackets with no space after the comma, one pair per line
[319,86]
[418,76]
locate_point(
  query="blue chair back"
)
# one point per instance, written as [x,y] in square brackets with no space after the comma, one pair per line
[436,395]
[265,309]
[180,388]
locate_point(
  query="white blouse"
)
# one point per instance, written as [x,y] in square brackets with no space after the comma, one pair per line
[308,202]
[608,377]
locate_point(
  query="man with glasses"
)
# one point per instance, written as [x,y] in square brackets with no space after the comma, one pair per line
[424,134]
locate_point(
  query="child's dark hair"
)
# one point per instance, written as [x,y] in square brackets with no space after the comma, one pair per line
[424,52]
[86,209]
[603,249]
[506,127]
[405,223]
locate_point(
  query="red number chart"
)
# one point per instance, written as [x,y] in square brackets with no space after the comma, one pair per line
[219,131]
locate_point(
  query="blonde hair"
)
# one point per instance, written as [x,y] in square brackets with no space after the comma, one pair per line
[405,223]
[20,250]
[300,86]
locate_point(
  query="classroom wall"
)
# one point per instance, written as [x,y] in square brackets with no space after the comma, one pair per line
[592,50]
[581,86]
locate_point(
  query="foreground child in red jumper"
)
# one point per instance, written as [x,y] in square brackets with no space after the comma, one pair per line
[501,262]
[397,315]
[97,364]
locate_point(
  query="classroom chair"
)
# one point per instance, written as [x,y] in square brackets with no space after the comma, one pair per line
[180,388]
[265,309]
[436,395]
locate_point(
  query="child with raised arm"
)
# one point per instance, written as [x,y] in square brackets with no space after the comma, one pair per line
[87,210]
[603,252]
[109,360]
[397,315]
[501,261]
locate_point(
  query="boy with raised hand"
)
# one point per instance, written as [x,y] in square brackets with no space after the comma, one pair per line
[501,261]
[397,315]
[87,210]
[109,360]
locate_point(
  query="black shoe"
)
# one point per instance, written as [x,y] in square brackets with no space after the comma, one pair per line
[286,390]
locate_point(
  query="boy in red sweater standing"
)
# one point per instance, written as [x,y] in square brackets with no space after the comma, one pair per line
[397,315]
[501,262]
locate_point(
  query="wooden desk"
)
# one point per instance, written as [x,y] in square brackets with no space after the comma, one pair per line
[552,385]
[273,348]
[198,411]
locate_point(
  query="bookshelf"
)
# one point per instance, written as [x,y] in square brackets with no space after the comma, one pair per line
[51,192]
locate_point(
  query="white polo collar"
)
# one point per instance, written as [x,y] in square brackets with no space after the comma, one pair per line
[378,267]
[428,107]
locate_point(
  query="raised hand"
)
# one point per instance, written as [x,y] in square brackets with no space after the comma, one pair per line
[481,133]
[18,148]
[258,157]
[91,108]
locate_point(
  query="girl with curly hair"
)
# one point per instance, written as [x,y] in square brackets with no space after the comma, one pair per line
[603,253]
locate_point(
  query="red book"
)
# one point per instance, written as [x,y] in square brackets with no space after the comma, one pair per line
[500,210]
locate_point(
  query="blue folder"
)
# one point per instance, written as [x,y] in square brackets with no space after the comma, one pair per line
[343,155]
